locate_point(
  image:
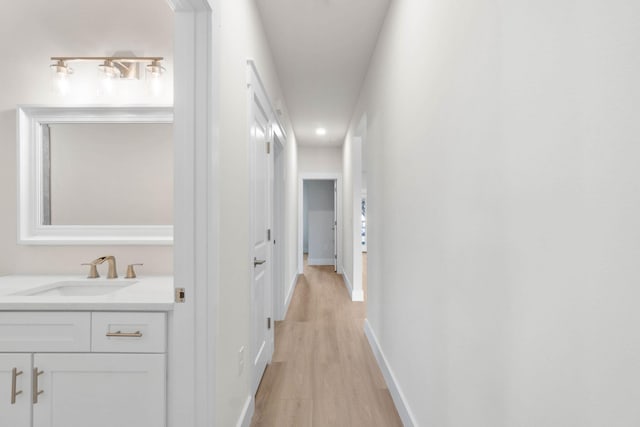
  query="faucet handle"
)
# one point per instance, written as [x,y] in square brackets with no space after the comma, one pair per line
[93,271]
[131,273]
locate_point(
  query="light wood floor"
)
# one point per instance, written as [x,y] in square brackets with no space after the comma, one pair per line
[323,372]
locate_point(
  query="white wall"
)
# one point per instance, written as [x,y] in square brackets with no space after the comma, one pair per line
[320,214]
[503,209]
[351,247]
[241,37]
[34,31]
[312,159]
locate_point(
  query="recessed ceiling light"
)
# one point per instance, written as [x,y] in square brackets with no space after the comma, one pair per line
[321,131]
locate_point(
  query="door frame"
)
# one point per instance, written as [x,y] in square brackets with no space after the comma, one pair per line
[319,176]
[191,358]
[278,231]
[276,136]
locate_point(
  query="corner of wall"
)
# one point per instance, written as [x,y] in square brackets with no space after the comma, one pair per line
[287,301]
[357,295]
[348,284]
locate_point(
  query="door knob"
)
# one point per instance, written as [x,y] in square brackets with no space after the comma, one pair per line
[257,261]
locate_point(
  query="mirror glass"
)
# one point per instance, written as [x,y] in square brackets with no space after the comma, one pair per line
[108,173]
[96,175]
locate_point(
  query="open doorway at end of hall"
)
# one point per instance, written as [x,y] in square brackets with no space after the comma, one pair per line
[319,242]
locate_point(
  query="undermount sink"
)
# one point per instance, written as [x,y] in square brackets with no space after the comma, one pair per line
[77,288]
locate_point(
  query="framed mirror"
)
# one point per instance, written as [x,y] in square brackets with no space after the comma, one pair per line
[95,175]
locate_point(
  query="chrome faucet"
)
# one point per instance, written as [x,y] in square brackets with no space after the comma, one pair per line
[113,273]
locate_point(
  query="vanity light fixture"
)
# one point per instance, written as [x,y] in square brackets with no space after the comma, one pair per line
[124,67]
[110,67]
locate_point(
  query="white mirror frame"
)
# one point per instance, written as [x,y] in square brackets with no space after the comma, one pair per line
[31,230]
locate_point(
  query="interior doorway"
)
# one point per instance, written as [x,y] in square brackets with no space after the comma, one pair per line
[319,220]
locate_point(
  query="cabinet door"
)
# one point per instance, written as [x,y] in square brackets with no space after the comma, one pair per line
[100,390]
[15,390]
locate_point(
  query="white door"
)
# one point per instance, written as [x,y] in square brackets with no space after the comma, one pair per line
[15,390]
[335,226]
[260,239]
[100,390]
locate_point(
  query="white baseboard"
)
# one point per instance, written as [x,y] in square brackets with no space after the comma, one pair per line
[247,413]
[347,283]
[320,261]
[394,388]
[287,301]
[357,295]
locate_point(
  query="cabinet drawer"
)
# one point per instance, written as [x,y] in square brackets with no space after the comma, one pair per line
[45,332]
[128,333]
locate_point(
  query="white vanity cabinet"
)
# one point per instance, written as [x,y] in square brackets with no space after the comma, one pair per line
[99,369]
[15,390]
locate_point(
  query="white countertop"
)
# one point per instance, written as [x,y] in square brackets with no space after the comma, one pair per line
[149,293]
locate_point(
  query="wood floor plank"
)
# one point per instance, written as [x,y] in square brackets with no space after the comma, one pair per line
[323,373]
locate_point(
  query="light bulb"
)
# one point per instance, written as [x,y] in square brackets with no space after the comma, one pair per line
[155,86]
[60,73]
[154,77]
[106,84]
[108,69]
[62,83]
[155,69]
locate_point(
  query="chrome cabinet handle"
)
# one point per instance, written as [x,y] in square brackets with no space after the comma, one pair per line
[136,334]
[34,384]
[257,261]
[14,379]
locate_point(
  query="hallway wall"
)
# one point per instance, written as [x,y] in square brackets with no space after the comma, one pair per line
[504,204]
[241,37]
[313,159]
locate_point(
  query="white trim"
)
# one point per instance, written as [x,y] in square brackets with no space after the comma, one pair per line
[348,285]
[292,288]
[190,5]
[320,261]
[31,228]
[191,398]
[257,98]
[355,246]
[277,127]
[408,419]
[329,176]
[278,188]
[357,295]
[247,412]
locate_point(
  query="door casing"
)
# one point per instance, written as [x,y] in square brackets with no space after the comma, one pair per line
[275,136]
[328,176]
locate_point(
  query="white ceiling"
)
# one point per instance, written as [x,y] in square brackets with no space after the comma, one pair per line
[322,50]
